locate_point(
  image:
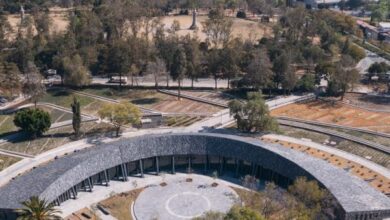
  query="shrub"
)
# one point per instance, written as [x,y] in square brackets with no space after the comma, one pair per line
[33,121]
[241,14]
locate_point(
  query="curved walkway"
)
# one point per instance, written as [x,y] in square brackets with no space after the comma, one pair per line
[336,134]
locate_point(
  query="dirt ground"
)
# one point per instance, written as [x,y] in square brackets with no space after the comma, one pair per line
[244,29]
[118,205]
[337,114]
[170,104]
[83,214]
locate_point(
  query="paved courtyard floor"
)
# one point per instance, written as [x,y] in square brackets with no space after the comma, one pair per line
[181,199]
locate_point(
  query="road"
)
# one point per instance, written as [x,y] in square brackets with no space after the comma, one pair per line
[148,81]
[366,62]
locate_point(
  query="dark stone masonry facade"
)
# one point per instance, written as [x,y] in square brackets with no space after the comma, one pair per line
[61,179]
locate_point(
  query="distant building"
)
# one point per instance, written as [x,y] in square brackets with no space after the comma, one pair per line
[381,33]
[384,27]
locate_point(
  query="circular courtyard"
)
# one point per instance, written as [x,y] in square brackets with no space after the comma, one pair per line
[183,198]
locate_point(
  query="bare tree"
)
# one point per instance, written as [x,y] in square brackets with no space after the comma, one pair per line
[33,86]
[218,28]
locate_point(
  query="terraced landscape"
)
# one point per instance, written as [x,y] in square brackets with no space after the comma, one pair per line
[344,145]
[376,180]
[336,113]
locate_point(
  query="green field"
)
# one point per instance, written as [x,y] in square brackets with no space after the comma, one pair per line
[7,124]
[64,98]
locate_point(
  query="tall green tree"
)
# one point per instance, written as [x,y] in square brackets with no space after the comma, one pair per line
[75,73]
[179,67]
[76,120]
[259,72]
[193,56]
[38,209]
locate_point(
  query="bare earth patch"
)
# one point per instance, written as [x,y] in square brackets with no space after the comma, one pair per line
[119,205]
[83,214]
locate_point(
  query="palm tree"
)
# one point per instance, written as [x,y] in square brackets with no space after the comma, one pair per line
[38,209]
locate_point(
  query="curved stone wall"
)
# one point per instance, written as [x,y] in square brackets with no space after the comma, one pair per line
[52,180]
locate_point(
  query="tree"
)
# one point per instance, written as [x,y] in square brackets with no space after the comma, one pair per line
[243,213]
[252,116]
[121,114]
[229,63]
[157,68]
[33,86]
[76,121]
[179,67]
[307,191]
[214,65]
[33,121]
[217,28]
[193,56]
[281,65]
[289,80]
[10,81]
[38,209]
[76,74]
[306,83]
[119,60]
[259,73]
[378,69]
[5,31]
[345,76]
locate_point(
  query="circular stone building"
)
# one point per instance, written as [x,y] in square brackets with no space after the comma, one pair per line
[61,179]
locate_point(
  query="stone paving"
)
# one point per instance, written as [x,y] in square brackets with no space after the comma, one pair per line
[180,199]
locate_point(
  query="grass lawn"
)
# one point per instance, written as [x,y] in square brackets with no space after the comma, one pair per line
[7,124]
[140,97]
[6,161]
[64,98]
[119,205]
[55,138]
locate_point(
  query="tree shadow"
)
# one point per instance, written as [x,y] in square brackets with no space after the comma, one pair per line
[145,101]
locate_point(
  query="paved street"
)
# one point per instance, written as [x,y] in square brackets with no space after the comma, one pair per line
[366,62]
